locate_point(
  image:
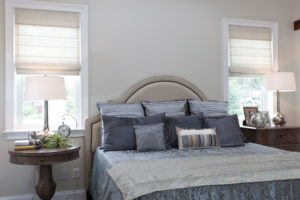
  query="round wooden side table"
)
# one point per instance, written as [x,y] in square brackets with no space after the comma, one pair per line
[45,188]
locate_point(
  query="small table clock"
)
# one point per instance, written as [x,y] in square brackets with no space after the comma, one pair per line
[64,130]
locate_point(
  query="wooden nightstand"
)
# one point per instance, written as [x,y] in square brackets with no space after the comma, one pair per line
[45,158]
[287,138]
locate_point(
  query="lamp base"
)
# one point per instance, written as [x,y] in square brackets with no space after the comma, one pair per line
[279,119]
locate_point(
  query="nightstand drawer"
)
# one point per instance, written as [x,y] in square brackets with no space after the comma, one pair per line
[286,137]
[289,147]
[279,136]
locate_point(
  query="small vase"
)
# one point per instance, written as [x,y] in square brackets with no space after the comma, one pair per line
[258,120]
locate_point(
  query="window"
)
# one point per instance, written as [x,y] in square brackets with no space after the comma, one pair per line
[30,114]
[250,52]
[247,91]
[51,39]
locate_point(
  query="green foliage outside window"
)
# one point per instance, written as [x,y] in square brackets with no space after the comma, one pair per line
[29,111]
[244,91]
[70,102]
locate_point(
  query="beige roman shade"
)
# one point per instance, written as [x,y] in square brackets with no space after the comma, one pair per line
[47,42]
[250,50]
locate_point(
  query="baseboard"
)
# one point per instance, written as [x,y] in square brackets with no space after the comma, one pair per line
[60,195]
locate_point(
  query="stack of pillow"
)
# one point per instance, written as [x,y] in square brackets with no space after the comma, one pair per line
[157,126]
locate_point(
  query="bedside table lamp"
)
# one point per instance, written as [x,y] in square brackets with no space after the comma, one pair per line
[45,88]
[279,82]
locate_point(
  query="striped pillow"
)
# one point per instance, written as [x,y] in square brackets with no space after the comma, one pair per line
[196,139]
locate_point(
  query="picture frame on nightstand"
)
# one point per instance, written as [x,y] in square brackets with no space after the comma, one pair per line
[248,112]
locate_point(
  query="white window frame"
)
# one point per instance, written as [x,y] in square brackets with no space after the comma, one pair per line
[225,40]
[10,73]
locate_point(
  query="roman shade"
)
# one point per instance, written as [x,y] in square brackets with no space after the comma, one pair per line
[250,50]
[47,42]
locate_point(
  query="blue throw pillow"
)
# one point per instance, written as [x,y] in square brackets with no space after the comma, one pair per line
[130,110]
[170,108]
[236,120]
[150,137]
[185,122]
[228,132]
[118,133]
[208,108]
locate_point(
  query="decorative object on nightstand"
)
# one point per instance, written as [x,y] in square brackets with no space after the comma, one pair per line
[281,137]
[55,141]
[45,188]
[279,82]
[45,88]
[24,145]
[258,119]
[64,129]
[249,112]
[267,116]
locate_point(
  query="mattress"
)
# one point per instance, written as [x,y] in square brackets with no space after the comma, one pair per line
[249,172]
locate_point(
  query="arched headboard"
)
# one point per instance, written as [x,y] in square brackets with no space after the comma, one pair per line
[155,88]
[161,88]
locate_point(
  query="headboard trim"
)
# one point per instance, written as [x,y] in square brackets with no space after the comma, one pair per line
[156,79]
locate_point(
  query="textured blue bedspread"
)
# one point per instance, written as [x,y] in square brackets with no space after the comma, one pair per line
[102,186]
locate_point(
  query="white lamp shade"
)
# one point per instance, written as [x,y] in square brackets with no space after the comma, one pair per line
[45,88]
[281,81]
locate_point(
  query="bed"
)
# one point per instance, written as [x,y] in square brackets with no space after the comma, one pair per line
[247,172]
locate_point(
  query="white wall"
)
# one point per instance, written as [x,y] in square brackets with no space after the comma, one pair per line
[139,39]
[297,62]
[132,39]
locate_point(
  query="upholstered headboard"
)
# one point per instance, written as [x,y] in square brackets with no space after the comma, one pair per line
[155,88]
[161,88]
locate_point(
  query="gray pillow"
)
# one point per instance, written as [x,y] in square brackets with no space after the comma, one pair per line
[155,119]
[150,137]
[208,108]
[186,122]
[236,120]
[227,130]
[118,133]
[170,108]
[130,110]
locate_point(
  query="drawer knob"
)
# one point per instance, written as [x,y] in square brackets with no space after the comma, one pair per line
[279,136]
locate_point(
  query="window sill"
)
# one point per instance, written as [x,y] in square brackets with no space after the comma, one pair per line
[21,135]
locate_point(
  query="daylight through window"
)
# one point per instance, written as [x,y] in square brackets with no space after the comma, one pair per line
[250,56]
[47,42]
